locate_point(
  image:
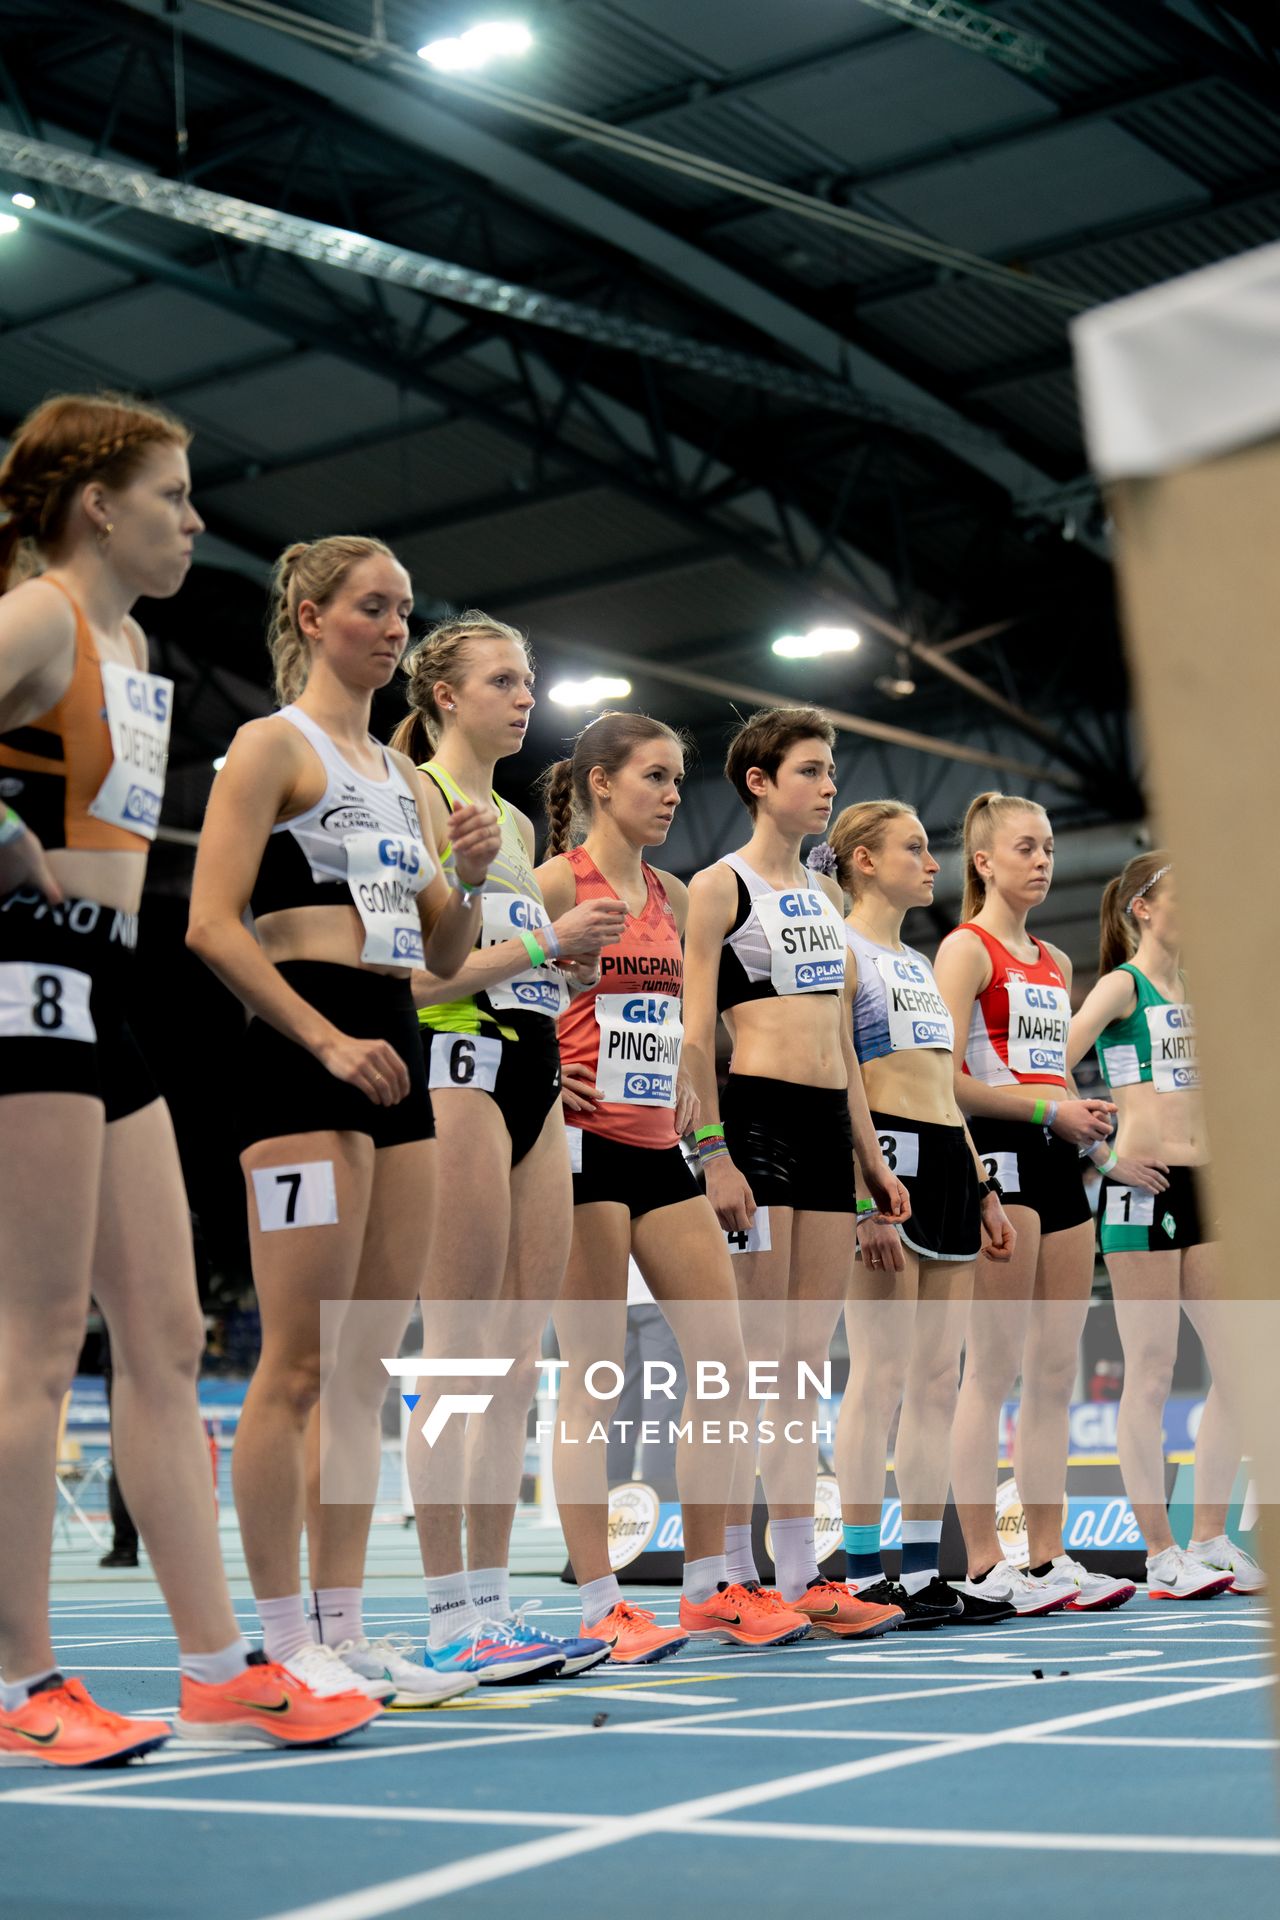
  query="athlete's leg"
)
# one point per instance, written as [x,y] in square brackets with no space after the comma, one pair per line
[922,1456]
[993,1351]
[591,1325]
[295,1269]
[467,1239]
[51,1152]
[388,1281]
[879,1318]
[1218,1447]
[1050,1362]
[540,1236]
[145,1283]
[761,1281]
[680,1250]
[1145,1287]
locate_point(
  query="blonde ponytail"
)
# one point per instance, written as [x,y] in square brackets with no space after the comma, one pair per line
[308,570]
[986,814]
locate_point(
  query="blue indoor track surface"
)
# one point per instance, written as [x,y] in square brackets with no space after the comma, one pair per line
[918,1773]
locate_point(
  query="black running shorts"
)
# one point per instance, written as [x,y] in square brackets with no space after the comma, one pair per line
[936,1167]
[64,976]
[285,1089]
[793,1145]
[1036,1169]
[521,1075]
[641,1179]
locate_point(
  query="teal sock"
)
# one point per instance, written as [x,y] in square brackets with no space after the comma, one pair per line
[862,1553]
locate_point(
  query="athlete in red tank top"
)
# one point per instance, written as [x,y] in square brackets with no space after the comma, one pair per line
[625,1031]
[1018,1030]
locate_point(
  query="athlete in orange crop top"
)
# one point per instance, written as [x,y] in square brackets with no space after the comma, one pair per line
[92,1184]
[627,1106]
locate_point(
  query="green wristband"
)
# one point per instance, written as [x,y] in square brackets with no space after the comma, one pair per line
[12,826]
[534,948]
[866,1206]
[715,1132]
[1038,1112]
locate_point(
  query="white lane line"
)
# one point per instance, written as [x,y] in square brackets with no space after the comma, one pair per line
[320,1810]
[1161,1843]
[439,1882]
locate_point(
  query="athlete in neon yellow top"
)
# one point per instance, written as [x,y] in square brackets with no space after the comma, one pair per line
[500,1235]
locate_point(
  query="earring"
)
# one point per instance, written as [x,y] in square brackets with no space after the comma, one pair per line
[105,533]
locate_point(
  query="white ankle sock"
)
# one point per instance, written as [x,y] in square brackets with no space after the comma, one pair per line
[794,1559]
[211,1669]
[740,1561]
[490,1589]
[702,1577]
[453,1616]
[338,1614]
[598,1598]
[13,1693]
[285,1627]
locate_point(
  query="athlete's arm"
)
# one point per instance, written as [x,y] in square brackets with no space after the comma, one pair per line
[37,657]
[963,971]
[449,925]
[558,883]
[891,1197]
[712,903]
[1114,998]
[688,1105]
[264,765]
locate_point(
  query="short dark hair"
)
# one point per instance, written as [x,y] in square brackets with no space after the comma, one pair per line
[765,740]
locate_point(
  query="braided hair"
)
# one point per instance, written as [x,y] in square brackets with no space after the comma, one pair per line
[308,570]
[63,444]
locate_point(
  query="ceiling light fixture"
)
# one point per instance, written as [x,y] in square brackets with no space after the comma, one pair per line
[9,223]
[491,40]
[817,642]
[26,200]
[588,693]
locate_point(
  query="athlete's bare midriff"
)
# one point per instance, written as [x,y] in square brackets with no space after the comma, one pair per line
[112,878]
[334,935]
[796,1039]
[919,1084]
[1169,1126]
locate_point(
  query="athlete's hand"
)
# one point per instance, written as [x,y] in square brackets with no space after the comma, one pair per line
[1140,1170]
[586,930]
[888,1192]
[998,1231]
[688,1106]
[880,1245]
[372,1065]
[1083,1122]
[578,1091]
[24,863]
[582,969]
[476,835]
[729,1194]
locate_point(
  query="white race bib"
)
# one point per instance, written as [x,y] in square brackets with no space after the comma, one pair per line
[806,940]
[1120,1066]
[756,1239]
[301,1196]
[1004,1168]
[39,1002]
[1039,1021]
[1130,1207]
[386,872]
[139,710]
[464,1060]
[640,1039]
[901,1153]
[1175,1060]
[918,1015]
[505,916]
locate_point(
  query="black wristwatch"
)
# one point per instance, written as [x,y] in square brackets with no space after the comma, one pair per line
[990,1186]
